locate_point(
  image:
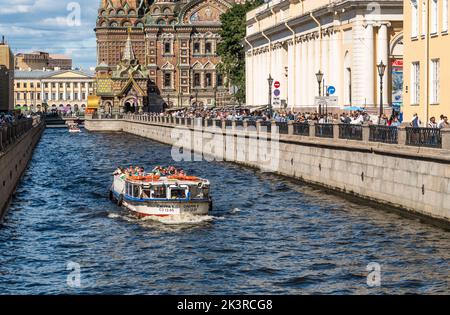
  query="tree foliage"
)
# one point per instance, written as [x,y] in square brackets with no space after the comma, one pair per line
[231,47]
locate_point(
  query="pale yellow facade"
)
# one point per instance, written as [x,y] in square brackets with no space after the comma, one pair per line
[426,59]
[53,90]
[291,41]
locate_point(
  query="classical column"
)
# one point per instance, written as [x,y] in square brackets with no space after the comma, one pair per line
[303,72]
[57,94]
[336,62]
[72,90]
[369,78]
[79,91]
[65,90]
[383,55]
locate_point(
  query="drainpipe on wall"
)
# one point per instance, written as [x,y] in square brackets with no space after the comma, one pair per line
[294,66]
[253,67]
[427,65]
[320,37]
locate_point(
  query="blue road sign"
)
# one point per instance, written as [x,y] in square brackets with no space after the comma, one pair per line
[277,92]
[331,90]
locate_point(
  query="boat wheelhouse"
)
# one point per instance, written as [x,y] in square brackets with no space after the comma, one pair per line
[162,196]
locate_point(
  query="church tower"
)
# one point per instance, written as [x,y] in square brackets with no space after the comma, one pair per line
[174,41]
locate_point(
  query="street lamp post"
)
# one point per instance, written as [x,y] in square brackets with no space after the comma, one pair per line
[319,77]
[381,69]
[270,82]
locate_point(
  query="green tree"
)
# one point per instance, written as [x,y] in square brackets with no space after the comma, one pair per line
[231,47]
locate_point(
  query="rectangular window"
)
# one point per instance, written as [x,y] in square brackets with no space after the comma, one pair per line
[46,96]
[434,16]
[18,96]
[25,85]
[84,96]
[208,79]
[61,96]
[54,96]
[167,80]
[414,19]
[54,85]
[167,48]
[75,96]
[196,48]
[208,48]
[434,76]
[445,16]
[32,96]
[424,18]
[39,96]
[197,80]
[18,85]
[415,83]
[32,85]
[39,85]
[219,79]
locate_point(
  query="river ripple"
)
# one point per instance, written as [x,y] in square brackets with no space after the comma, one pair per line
[266,234]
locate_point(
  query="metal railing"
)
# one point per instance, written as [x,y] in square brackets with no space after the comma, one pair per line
[283,128]
[210,123]
[383,134]
[251,123]
[301,129]
[350,132]
[424,137]
[324,130]
[9,133]
[218,123]
[266,126]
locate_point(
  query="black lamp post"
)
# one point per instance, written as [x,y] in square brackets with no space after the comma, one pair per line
[270,82]
[319,76]
[381,69]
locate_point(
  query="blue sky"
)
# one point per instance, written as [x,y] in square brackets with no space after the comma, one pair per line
[53,26]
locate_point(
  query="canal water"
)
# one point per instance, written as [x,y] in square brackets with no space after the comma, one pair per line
[266,234]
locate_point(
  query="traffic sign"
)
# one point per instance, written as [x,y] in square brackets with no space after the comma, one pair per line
[277,92]
[331,90]
[277,84]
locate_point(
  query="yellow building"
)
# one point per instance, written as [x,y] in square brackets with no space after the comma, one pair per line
[295,42]
[55,90]
[426,59]
[6,77]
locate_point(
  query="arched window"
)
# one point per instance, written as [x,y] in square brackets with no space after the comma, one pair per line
[132,12]
[121,12]
[139,24]
[167,11]
[161,22]
[157,11]
[114,24]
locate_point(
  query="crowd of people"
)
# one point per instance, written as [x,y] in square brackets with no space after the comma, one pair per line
[9,118]
[137,171]
[394,119]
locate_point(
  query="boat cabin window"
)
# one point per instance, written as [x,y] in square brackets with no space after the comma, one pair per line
[159,192]
[178,193]
[133,190]
[146,192]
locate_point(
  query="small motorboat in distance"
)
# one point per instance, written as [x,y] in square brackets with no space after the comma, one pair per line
[164,192]
[74,129]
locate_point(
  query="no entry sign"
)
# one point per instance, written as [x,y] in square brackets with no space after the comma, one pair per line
[277,84]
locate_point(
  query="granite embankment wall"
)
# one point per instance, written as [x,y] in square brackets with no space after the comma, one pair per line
[416,180]
[14,159]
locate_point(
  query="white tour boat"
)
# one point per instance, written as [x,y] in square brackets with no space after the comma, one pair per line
[162,196]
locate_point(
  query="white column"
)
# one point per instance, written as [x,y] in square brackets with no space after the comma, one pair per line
[369,78]
[79,91]
[303,86]
[325,58]
[383,47]
[57,94]
[72,90]
[336,62]
[65,91]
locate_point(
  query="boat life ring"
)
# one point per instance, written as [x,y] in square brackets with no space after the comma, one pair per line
[186,178]
[149,178]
